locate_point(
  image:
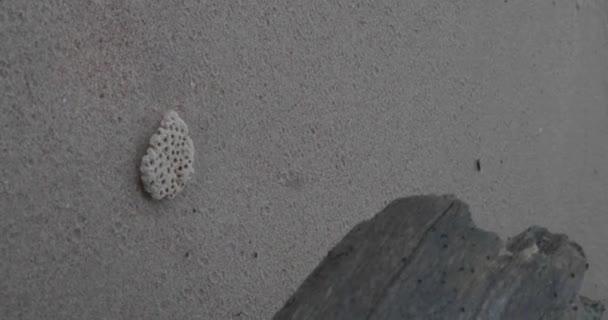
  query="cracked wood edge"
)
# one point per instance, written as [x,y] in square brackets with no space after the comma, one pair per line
[423,257]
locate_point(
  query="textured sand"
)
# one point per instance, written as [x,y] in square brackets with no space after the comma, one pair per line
[306,116]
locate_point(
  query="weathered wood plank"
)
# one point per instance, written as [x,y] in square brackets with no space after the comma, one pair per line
[423,258]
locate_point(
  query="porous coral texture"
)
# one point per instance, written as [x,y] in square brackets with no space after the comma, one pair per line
[167,165]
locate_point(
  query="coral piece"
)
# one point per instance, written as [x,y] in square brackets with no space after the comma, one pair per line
[167,165]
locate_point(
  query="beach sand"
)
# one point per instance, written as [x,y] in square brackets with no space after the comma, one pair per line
[307,118]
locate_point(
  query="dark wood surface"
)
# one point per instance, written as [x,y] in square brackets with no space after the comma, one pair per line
[423,258]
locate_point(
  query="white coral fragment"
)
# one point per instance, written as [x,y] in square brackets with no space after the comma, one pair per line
[167,165]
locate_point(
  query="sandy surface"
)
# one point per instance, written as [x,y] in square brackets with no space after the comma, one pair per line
[307,117]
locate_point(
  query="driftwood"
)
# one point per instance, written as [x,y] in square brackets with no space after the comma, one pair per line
[423,258]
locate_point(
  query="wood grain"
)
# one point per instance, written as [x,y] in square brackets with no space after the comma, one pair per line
[423,257]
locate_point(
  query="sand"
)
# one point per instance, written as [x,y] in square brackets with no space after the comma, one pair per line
[307,117]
